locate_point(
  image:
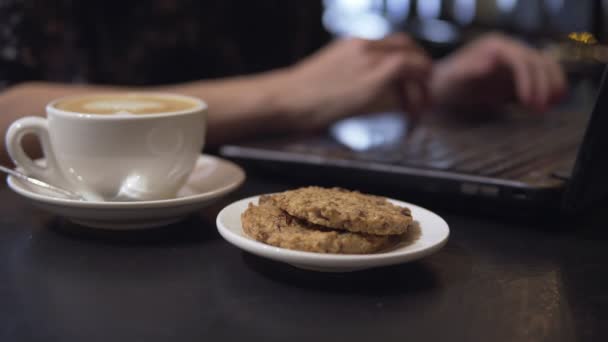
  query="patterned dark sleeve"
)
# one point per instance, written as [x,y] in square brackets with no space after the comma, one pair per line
[38,42]
[13,67]
[152,41]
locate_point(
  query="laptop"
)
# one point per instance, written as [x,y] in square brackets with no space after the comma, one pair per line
[558,160]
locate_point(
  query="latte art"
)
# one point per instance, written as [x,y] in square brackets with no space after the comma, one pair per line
[114,105]
[125,104]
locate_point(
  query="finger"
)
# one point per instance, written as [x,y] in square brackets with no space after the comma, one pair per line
[415,81]
[418,94]
[412,98]
[557,79]
[425,92]
[521,74]
[542,82]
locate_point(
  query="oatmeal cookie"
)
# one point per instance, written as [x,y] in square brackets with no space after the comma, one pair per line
[271,225]
[346,210]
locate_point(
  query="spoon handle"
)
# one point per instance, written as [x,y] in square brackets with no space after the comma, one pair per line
[40,183]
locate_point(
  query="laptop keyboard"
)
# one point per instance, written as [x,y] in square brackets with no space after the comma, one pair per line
[509,148]
[488,149]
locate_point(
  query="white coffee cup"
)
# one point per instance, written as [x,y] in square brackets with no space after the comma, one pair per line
[118,156]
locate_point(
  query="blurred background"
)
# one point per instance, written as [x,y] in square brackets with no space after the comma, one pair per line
[443,25]
[93,41]
[451,21]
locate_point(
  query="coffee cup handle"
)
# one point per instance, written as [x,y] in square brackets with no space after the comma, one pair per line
[14,143]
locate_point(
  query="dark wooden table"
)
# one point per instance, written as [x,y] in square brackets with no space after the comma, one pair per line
[495,280]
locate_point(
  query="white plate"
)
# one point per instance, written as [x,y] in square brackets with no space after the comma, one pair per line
[431,234]
[211,179]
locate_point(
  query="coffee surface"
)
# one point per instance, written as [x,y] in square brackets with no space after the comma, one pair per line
[128,103]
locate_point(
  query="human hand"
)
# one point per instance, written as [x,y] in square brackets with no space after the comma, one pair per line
[353,76]
[495,70]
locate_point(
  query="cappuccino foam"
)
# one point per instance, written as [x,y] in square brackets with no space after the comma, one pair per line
[125,104]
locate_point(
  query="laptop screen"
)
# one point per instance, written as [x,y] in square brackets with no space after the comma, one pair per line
[589,182]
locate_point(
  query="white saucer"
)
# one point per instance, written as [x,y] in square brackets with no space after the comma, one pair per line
[211,179]
[431,234]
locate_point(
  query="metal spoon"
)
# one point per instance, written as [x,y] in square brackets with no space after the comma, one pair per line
[41,184]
